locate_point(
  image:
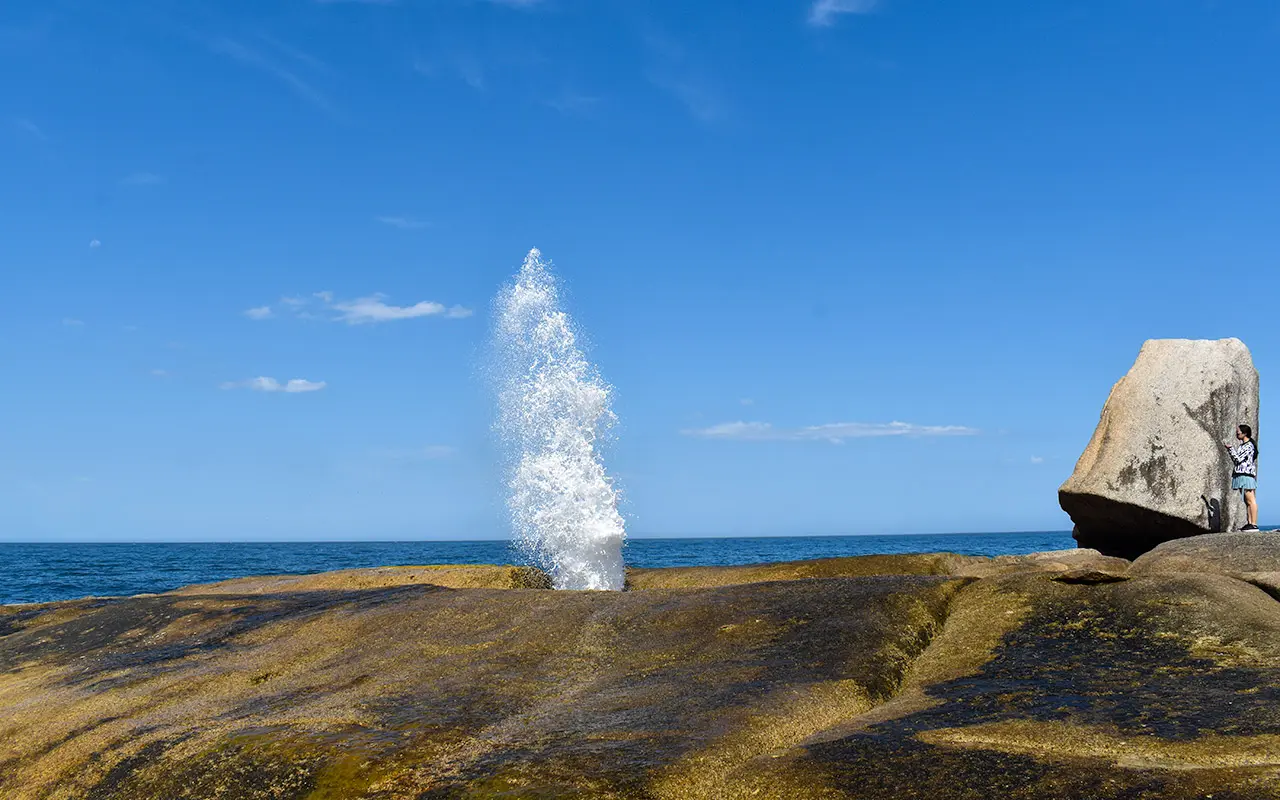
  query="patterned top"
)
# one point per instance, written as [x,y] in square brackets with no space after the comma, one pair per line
[1245,456]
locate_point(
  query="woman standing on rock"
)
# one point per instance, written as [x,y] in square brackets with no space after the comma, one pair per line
[1244,475]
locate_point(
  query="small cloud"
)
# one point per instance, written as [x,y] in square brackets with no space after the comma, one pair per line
[836,432]
[72,323]
[159,373]
[736,430]
[747,401]
[403,223]
[435,451]
[1037,460]
[823,13]
[143,179]
[373,309]
[295,386]
[94,244]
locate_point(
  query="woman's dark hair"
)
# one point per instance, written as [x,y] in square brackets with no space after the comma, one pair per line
[1248,434]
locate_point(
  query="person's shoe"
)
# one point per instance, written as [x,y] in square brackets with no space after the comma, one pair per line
[1249,528]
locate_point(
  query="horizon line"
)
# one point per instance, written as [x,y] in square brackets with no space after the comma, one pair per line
[639,537]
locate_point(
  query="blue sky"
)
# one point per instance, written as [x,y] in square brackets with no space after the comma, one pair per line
[783,214]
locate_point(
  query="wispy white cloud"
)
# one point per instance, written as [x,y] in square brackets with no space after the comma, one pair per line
[571,102]
[72,323]
[701,101]
[431,452]
[295,386]
[143,179]
[480,64]
[32,129]
[240,53]
[374,309]
[362,310]
[94,244]
[403,223]
[676,72]
[1037,459]
[747,401]
[823,13]
[466,67]
[294,52]
[160,373]
[836,432]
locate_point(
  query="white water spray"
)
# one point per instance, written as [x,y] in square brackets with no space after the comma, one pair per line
[553,409]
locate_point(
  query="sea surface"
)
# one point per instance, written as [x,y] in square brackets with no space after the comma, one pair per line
[39,573]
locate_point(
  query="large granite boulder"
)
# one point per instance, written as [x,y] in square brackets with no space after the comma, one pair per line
[1156,468]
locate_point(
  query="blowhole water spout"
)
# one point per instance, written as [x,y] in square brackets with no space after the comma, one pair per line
[553,411]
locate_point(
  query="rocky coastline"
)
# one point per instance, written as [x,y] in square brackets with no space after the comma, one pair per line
[1066,674]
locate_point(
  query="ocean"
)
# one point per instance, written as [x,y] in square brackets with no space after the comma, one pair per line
[40,573]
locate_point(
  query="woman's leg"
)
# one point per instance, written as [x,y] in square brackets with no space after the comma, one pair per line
[1251,501]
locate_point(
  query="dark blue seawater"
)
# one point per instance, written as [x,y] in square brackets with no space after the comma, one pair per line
[38,573]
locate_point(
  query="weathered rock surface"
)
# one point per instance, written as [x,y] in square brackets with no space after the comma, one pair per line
[1078,559]
[1156,468]
[1252,557]
[849,567]
[449,576]
[1224,553]
[807,680]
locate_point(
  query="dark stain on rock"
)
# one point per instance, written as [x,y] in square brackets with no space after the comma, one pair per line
[1088,661]
[130,634]
[1154,472]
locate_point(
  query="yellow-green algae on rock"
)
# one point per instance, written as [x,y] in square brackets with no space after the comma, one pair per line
[917,676]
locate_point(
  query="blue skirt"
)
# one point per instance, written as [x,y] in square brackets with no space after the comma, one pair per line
[1244,483]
